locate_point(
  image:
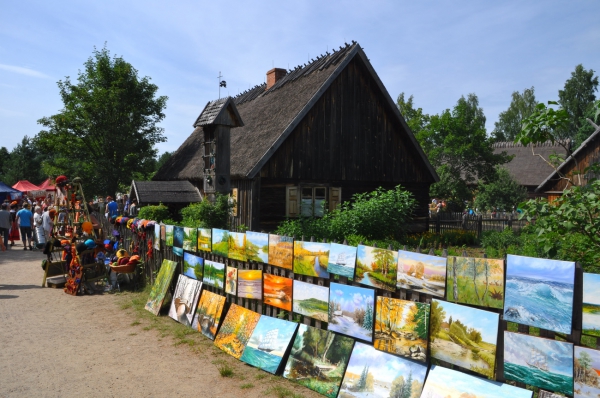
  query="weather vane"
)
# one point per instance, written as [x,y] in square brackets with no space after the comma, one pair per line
[222,83]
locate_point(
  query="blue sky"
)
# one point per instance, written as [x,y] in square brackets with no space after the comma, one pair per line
[305,291]
[436,51]
[591,288]
[484,321]
[539,268]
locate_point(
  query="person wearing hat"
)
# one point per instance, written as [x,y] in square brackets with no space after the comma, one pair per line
[25,221]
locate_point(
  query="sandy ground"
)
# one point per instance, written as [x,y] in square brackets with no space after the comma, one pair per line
[56,345]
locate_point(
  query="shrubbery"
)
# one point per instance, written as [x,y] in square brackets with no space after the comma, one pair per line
[157,213]
[208,215]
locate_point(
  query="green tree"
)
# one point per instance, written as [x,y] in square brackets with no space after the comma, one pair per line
[502,192]
[368,321]
[576,98]
[585,360]
[108,127]
[415,118]
[509,122]
[420,320]
[24,163]
[206,214]
[4,158]
[436,318]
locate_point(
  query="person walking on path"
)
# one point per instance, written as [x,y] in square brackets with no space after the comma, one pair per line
[25,221]
[48,221]
[4,224]
[112,208]
[14,228]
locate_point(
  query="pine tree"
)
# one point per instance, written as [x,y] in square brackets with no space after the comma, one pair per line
[408,387]
[361,385]
[368,321]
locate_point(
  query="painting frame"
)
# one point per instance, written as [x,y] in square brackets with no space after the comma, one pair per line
[193,266]
[421,273]
[278,291]
[236,329]
[310,300]
[185,299]
[220,242]
[281,251]
[214,274]
[204,239]
[376,267]
[351,311]
[208,313]
[257,247]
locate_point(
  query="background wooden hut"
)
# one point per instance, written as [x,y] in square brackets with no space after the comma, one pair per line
[177,194]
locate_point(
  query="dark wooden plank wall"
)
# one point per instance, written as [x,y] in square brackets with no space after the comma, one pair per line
[588,156]
[247,204]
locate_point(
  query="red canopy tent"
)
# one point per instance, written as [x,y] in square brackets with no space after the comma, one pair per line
[29,188]
[48,185]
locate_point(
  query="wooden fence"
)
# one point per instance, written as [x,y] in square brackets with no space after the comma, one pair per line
[444,221]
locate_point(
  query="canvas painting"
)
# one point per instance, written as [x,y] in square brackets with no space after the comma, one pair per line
[236,330]
[539,292]
[178,240]
[351,311]
[477,281]
[257,247]
[250,283]
[190,236]
[376,374]
[208,314]
[281,251]
[311,258]
[231,277]
[169,235]
[539,362]
[587,372]
[447,383]
[342,260]
[421,273]
[376,267]
[268,343]
[311,300]
[161,284]
[236,246]
[402,327]
[156,242]
[185,299]
[277,291]
[204,239]
[317,360]
[464,336]
[548,394]
[214,274]
[163,232]
[591,304]
[193,266]
[220,242]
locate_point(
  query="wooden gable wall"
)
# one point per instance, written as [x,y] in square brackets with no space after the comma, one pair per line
[586,157]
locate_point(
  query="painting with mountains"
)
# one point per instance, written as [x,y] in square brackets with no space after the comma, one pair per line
[311,300]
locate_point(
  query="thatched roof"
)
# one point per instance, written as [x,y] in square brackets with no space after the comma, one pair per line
[222,111]
[164,192]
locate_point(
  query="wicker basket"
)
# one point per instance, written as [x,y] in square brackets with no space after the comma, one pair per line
[123,269]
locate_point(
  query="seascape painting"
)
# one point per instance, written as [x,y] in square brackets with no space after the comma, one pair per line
[342,260]
[231,280]
[220,242]
[208,314]
[351,311]
[464,336]
[204,239]
[476,281]
[193,266]
[281,251]
[236,246]
[236,330]
[169,235]
[257,247]
[591,305]
[539,362]
[311,300]
[277,291]
[214,274]
[185,298]
[447,383]
[587,372]
[311,259]
[250,283]
[318,359]
[161,284]
[421,273]
[156,243]
[376,267]
[376,374]
[539,292]
[268,343]
[402,327]
[178,241]
[190,236]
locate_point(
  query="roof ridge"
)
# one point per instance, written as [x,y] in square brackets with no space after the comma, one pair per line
[549,143]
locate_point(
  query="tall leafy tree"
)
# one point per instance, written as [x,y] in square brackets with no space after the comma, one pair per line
[502,192]
[509,122]
[4,157]
[23,163]
[108,127]
[577,98]
[416,119]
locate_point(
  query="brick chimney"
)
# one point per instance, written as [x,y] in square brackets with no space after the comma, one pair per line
[274,75]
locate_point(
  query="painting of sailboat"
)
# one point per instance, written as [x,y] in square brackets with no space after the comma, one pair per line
[342,260]
[421,273]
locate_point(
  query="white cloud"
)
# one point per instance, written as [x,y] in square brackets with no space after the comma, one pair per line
[24,71]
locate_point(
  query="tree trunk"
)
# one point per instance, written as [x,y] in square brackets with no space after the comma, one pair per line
[487,271]
[327,346]
[475,281]
[455,288]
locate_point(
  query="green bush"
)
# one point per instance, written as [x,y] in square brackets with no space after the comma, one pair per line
[157,213]
[208,215]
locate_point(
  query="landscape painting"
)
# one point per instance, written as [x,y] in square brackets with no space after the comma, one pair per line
[214,273]
[421,273]
[277,291]
[236,246]
[268,343]
[169,235]
[204,239]
[192,266]
[539,362]
[587,373]
[539,292]
[236,330]
[156,243]
[447,383]
[161,284]
[376,267]
[318,359]
[376,374]
[477,281]
[231,280]
[342,260]
[281,251]
[311,258]
[220,242]
[185,298]
[351,310]
[208,314]
[257,247]
[250,283]
[163,232]
[311,300]
[402,327]
[548,394]
[464,336]
[178,240]
[190,236]
[591,304]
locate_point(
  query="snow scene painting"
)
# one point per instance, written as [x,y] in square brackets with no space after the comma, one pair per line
[591,304]
[587,373]
[351,311]
[185,299]
[421,273]
[342,260]
[311,300]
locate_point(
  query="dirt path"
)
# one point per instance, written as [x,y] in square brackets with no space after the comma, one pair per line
[56,345]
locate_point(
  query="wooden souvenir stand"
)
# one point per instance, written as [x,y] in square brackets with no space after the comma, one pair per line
[55,269]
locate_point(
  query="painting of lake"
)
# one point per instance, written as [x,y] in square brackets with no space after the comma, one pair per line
[539,292]
[421,273]
[192,266]
[311,300]
[220,242]
[539,362]
[342,260]
[376,267]
[257,246]
[591,304]
[214,274]
[587,373]
[311,258]
[351,310]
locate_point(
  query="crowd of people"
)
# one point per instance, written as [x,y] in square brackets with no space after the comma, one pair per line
[23,219]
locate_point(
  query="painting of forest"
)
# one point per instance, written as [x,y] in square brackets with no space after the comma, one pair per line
[421,273]
[587,372]
[311,258]
[318,359]
[250,283]
[190,237]
[351,310]
[281,251]
[161,284]
[192,265]
[376,267]
[178,240]
[236,330]
[402,327]
[220,242]
[311,300]
[208,314]
[464,336]
[214,274]
[185,299]
[477,281]
[231,280]
[169,235]
[236,246]
[591,304]
[204,239]
[257,246]
[277,291]
[376,374]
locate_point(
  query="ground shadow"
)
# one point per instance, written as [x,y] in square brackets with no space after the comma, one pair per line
[7,296]
[19,287]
